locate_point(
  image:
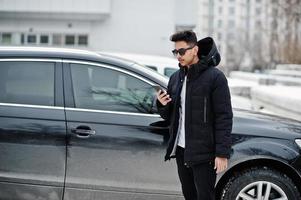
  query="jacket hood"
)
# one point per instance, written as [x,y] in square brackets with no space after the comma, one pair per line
[208,57]
[208,53]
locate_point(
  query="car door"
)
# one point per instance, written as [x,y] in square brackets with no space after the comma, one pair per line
[115,145]
[32,130]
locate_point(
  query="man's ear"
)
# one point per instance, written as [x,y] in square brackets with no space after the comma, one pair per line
[196,49]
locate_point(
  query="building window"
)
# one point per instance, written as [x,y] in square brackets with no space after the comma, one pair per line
[219,23]
[274,12]
[69,40]
[258,11]
[258,24]
[220,10]
[44,39]
[83,40]
[22,38]
[230,36]
[231,24]
[257,37]
[6,38]
[57,39]
[31,39]
[231,10]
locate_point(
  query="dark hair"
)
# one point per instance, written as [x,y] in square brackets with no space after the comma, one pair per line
[187,36]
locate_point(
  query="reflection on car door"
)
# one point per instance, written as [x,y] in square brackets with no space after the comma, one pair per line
[32,130]
[115,150]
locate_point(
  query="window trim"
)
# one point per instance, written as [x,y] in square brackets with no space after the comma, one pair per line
[77,109]
[31,106]
[112,112]
[30,59]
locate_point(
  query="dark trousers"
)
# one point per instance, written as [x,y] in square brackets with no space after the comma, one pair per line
[197,180]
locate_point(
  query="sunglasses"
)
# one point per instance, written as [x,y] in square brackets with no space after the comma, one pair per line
[181,51]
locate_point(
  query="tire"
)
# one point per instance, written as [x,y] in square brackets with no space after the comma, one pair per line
[248,184]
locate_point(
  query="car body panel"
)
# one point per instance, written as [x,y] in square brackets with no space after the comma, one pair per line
[114,159]
[32,152]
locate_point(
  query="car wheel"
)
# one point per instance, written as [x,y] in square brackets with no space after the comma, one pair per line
[260,183]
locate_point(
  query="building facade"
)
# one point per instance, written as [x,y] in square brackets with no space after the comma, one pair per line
[136,26]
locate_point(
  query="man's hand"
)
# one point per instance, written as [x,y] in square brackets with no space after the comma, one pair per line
[163,97]
[220,164]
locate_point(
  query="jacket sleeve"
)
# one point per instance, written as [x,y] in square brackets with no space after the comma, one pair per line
[223,116]
[165,111]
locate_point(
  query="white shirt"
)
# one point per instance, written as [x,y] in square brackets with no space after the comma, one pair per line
[181,129]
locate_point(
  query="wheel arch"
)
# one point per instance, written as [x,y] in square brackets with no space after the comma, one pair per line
[259,163]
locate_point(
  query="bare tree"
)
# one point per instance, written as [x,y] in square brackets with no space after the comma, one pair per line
[286,39]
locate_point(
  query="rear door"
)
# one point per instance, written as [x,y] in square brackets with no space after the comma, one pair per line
[115,145]
[32,129]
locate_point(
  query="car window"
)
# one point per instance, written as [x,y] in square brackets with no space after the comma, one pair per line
[169,71]
[102,88]
[27,82]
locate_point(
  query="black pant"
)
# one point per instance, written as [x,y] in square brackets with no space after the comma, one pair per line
[197,180]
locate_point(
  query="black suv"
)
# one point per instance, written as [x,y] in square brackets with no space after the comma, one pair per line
[78,125]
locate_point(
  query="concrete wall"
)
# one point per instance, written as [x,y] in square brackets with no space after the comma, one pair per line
[136,26]
[55,6]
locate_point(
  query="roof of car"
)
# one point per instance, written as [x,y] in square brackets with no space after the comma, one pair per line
[50,52]
[156,60]
[78,54]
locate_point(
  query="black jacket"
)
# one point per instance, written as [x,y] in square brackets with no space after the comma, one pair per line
[208,117]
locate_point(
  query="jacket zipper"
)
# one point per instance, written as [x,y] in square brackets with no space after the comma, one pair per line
[205,109]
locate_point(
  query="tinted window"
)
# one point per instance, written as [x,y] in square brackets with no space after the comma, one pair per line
[70,39]
[27,83]
[106,89]
[83,40]
[169,71]
[44,39]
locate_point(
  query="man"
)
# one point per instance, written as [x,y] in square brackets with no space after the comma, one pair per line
[197,104]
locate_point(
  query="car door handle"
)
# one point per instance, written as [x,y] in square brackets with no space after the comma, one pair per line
[83,132]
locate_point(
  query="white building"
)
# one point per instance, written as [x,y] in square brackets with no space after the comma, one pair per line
[135,26]
[233,24]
